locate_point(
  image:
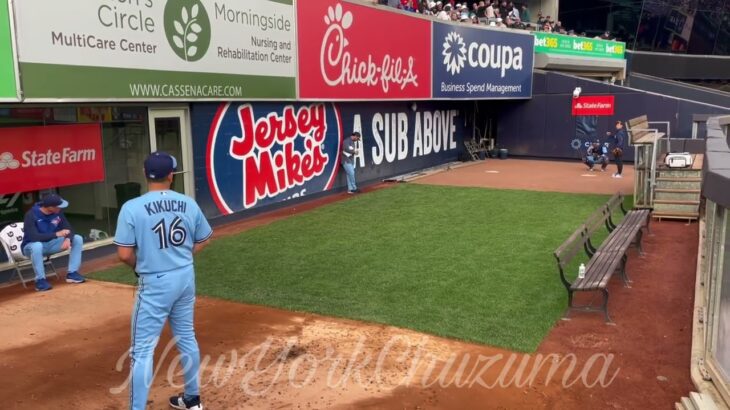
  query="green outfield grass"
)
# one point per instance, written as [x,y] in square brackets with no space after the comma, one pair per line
[467,263]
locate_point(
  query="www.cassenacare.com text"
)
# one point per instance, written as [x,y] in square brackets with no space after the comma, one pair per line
[480,88]
[185,90]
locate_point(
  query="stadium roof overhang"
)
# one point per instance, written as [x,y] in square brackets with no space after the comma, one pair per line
[583,66]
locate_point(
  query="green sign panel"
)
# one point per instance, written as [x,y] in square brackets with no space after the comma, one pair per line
[156,50]
[8,83]
[549,43]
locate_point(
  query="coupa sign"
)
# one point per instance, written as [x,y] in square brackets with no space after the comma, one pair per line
[264,153]
[481,63]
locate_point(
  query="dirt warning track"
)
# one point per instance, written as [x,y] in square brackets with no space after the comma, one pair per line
[535,175]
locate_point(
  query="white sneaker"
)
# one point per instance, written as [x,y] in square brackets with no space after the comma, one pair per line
[178,402]
[618,176]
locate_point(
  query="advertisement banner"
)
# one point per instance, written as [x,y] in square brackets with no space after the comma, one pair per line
[156,49]
[593,105]
[262,154]
[550,43]
[33,158]
[478,63]
[355,52]
[8,80]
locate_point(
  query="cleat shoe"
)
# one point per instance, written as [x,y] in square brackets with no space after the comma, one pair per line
[75,277]
[179,402]
[42,285]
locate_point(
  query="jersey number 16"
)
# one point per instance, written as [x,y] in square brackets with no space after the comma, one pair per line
[174,236]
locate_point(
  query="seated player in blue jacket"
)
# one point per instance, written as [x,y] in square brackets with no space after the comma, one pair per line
[47,232]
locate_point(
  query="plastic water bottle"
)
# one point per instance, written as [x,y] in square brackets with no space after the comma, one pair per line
[582,271]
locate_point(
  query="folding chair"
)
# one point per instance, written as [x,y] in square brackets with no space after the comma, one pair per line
[11,238]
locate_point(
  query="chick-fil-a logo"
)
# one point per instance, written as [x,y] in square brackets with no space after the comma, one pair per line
[340,67]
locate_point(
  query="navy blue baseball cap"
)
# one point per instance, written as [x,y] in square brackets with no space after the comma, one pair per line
[159,165]
[53,200]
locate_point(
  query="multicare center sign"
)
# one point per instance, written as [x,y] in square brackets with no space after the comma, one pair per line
[8,79]
[156,49]
[231,50]
[549,43]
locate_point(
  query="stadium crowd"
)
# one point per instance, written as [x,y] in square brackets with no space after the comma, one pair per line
[487,12]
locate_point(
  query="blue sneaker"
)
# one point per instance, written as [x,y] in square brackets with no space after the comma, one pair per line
[42,285]
[75,277]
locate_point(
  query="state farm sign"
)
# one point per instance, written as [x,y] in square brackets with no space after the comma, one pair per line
[33,158]
[344,53]
[594,105]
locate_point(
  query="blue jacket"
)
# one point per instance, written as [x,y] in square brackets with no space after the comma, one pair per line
[620,138]
[40,227]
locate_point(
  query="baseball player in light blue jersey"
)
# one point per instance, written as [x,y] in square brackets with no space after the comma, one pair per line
[157,235]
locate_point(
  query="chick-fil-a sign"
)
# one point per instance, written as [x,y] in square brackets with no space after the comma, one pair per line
[349,51]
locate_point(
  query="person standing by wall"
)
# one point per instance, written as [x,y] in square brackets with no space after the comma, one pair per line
[349,151]
[618,148]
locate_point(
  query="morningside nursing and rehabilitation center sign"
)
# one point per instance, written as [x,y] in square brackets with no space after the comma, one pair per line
[156,49]
[549,43]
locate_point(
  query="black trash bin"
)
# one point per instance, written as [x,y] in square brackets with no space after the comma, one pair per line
[127,191]
[503,153]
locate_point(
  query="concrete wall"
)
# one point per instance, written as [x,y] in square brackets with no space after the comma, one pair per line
[398,138]
[544,127]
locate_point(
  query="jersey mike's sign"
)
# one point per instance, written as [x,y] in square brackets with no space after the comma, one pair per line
[33,158]
[593,105]
[349,51]
[262,154]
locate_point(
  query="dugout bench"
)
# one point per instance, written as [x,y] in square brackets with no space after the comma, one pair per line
[608,258]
